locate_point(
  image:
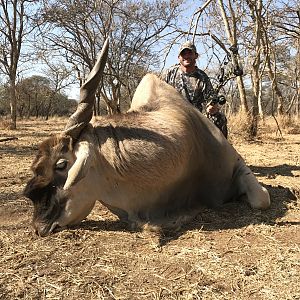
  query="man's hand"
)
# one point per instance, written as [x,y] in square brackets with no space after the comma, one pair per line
[212,109]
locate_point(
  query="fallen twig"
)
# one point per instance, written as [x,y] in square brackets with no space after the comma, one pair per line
[8,139]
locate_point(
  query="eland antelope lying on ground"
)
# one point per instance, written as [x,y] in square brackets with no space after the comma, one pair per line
[160,160]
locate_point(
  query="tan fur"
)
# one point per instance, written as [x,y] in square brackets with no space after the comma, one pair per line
[161,160]
[161,142]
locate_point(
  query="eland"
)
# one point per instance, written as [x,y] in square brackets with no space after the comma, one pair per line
[157,162]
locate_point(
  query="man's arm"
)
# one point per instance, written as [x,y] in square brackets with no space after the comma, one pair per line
[209,92]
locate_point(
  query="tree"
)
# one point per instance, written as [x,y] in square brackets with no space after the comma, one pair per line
[286,22]
[133,27]
[59,78]
[37,97]
[14,27]
[230,24]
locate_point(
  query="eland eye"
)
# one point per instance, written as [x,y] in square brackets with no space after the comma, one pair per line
[61,164]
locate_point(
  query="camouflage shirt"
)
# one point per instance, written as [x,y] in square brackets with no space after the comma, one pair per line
[195,87]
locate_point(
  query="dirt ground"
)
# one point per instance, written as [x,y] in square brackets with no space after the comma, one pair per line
[230,253]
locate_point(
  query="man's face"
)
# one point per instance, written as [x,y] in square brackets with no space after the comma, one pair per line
[187,58]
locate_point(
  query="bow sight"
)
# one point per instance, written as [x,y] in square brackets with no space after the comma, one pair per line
[218,100]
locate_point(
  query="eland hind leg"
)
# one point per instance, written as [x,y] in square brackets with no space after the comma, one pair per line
[256,195]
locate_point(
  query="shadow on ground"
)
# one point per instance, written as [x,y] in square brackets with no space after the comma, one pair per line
[232,215]
[236,215]
[283,170]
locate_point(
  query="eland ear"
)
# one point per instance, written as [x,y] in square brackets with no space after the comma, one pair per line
[67,143]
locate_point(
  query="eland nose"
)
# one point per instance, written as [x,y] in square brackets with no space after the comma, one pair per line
[41,229]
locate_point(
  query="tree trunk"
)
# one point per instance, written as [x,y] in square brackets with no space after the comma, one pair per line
[256,12]
[298,73]
[48,108]
[98,103]
[232,37]
[13,103]
[255,110]
[273,79]
[29,107]
[241,87]
[259,100]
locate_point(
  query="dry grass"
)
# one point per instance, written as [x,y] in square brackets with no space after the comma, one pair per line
[270,126]
[5,123]
[230,253]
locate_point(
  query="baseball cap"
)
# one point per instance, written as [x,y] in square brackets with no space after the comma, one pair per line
[187,45]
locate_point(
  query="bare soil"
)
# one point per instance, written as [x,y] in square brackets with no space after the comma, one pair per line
[230,253]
